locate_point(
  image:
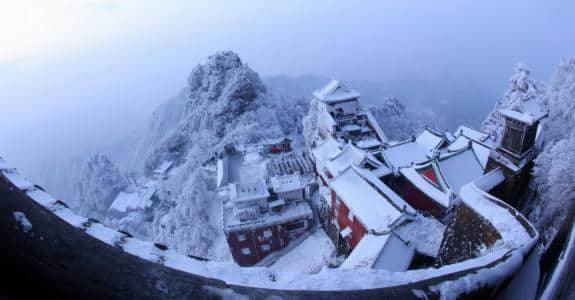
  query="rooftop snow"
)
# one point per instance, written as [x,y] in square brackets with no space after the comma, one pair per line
[163,168]
[459,143]
[366,252]
[460,169]
[290,212]
[327,149]
[527,111]
[133,201]
[349,155]
[471,133]
[240,192]
[425,186]
[286,183]
[335,91]
[244,168]
[395,256]
[381,171]
[373,210]
[482,153]
[404,154]
[394,198]
[368,143]
[429,140]
[424,233]
[378,131]
[351,127]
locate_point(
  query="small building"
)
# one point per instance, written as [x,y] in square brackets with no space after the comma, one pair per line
[358,208]
[162,170]
[288,187]
[516,150]
[264,215]
[282,145]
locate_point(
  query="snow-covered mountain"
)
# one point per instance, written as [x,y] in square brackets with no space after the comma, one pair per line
[224,102]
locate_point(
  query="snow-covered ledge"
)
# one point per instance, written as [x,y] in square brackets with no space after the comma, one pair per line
[450,280]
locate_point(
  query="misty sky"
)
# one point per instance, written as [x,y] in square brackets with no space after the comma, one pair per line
[78,73]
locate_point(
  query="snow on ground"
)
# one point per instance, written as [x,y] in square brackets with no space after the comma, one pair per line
[25,224]
[309,257]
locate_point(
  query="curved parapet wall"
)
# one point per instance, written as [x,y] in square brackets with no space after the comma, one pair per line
[55,251]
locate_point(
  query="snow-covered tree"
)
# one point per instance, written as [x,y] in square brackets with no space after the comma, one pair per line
[97,185]
[555,165]
[521,88]
[390,114]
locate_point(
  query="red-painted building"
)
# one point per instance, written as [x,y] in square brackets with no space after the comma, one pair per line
[260,219]
[358,207]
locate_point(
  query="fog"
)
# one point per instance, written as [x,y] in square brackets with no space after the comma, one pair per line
[82,75]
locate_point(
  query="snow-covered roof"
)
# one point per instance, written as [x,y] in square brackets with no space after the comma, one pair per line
[459,143]
[351,127]
[395,256]
[290,212]
[471,133]
[424,233]
[164,167]
[240,192]
[527,111]
[394,198]
[125,201]
[429,140]
[348,156]
[368,143]
[327,149]
[222,169]
[404,154]
[482,153]
[276,203]
[386,252]
[286,183]
[381,171]
[365,252]
[425,186]
[373,122]
[460,169]
[335,91]
[372,209]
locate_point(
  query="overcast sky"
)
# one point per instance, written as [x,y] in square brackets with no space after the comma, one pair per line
[76,72]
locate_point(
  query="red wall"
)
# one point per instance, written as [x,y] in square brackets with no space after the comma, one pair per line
[418,200]
[357,229]
[254,239]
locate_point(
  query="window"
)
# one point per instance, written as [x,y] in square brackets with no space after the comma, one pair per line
[350,216]
[295,226]
[267,234]
[241,237]
[265,247]
[246,251]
